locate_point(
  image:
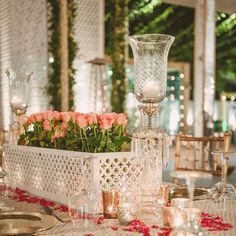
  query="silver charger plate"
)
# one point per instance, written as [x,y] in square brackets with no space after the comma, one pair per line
[15,223]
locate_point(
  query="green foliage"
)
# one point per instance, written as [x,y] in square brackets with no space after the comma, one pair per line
[151,16]
[54,85]
[118,19]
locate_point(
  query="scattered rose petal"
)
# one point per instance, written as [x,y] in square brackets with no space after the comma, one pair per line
[115,228]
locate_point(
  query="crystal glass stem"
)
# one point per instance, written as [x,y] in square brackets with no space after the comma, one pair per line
[224,170]
[191,186]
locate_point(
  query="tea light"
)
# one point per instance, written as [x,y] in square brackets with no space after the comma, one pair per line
[126,213]
[176,217]
[193,214]
[151,89]
[110,200]
[181,203]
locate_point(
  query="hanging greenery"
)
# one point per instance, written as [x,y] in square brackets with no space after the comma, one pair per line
[54,83]
[118,22]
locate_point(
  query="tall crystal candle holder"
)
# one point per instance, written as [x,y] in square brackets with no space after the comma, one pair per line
[18,102]
[150,142]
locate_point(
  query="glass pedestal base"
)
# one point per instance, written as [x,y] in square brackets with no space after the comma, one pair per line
[222,190]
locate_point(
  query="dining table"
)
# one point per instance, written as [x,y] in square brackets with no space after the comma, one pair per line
[224,219]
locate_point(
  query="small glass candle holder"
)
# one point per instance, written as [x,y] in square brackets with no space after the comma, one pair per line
[180,203]
[176,217]
[126,213]
[163,195]
[165,212]
[193,215]
[110,200]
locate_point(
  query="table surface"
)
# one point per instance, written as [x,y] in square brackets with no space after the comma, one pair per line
[69,229]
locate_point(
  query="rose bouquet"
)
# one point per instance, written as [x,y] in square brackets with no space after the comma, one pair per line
[75,131]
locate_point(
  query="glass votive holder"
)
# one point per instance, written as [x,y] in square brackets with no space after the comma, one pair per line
[193,215]
[164,193]
[126,213]
[110,199]
[165,212]
[181,203]
[176,217]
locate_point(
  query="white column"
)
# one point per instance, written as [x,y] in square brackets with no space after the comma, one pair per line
[204,65]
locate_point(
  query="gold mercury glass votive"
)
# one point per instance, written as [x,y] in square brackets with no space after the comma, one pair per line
[181,203]
[164,193]
[126,213]
[193,215]
[176,217]
[110,200]
[165,212]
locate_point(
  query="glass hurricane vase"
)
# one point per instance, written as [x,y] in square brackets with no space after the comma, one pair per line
[18,101]
[150,142]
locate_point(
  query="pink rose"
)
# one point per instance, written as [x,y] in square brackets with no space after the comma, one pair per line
[92,118]
[105,123]
[57,115]
[31,119]
[122,119]
[72,115]
[57,134]
[47,126]
[48,115]
[106,120]
[39,117]
[65,116]
[82,121]
[64,126]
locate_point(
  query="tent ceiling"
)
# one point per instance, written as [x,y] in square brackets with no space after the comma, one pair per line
[228,6]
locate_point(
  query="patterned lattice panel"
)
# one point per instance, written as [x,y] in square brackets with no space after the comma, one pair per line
[49,173]
[57,174]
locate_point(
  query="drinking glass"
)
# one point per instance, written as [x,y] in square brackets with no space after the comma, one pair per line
[223,190]
[83,206]
[192,228]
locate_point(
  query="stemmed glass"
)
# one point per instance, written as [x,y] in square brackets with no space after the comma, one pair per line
[84,206]
[223,190]
[190,177]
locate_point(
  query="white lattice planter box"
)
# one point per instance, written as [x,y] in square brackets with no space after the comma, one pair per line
[56,174]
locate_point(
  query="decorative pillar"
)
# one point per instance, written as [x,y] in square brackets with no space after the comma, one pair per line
[96,90]
[204,67]
[64,78]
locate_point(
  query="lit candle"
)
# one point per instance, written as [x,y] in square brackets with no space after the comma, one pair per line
[181,203]
[126,213]
[16,101]
[110,203]
[151,89]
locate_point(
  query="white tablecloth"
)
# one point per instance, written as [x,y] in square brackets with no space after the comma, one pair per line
[229,216]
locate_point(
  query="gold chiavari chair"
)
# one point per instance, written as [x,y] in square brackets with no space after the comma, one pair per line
[194,153]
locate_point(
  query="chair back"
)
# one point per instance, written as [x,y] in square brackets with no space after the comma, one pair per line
[194,153]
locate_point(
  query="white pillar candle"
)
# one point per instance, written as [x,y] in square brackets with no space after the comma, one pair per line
[16,101]
[151,89]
